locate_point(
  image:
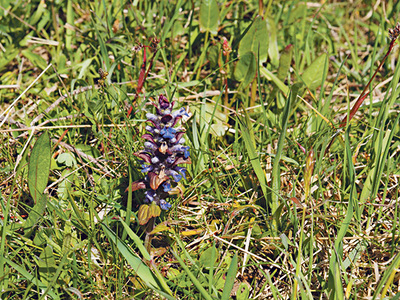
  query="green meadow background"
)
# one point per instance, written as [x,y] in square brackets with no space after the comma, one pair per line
[280,201]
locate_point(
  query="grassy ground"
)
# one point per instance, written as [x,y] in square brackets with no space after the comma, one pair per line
[278,202]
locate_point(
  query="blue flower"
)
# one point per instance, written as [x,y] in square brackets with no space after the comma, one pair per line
[167,187]
[181,170]
[146,168]
[149,196]
[168,132]
[164,204]
[175,175]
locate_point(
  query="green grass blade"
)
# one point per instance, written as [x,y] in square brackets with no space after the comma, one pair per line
[249,141]
[335,280]
[140,268]
[276,177]
[29,277]
[193,278]
[230,278]
[387,278]
[138,242]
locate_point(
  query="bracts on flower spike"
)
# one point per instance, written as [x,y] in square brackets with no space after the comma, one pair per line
[163,152]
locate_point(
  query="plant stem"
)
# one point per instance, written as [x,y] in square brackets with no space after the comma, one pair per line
[147,239]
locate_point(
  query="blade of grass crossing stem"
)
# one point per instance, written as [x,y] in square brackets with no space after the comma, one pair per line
[205,140]
[396,297]
[270,76]
[335,280]
[138,242]
[60,268]
[306,288]
[211,271]
[276,174]
[192,277]
[128,205]
[387,278]
[274,290]
[193,262]
[29,277]
[157,284]
[230,278]
[103,48]
[200,165]
[205,127]
[249,141]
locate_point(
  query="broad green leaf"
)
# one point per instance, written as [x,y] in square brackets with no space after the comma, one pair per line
[66,159]
[285,62]
[316,72]
[213,117]
[177,29]
[242,292]
[230,278]
[36,213]
[205,260]
[65,185]
[256,40]
[273,51]
[8,55]
[209,112]
[218,129]
[213,55]
[47,264]
[87,149]
[209,13]
[246,68]
[297,13]
[34,58]
[39,166]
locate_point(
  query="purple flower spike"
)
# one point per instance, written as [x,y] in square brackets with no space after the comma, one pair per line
[163,152]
